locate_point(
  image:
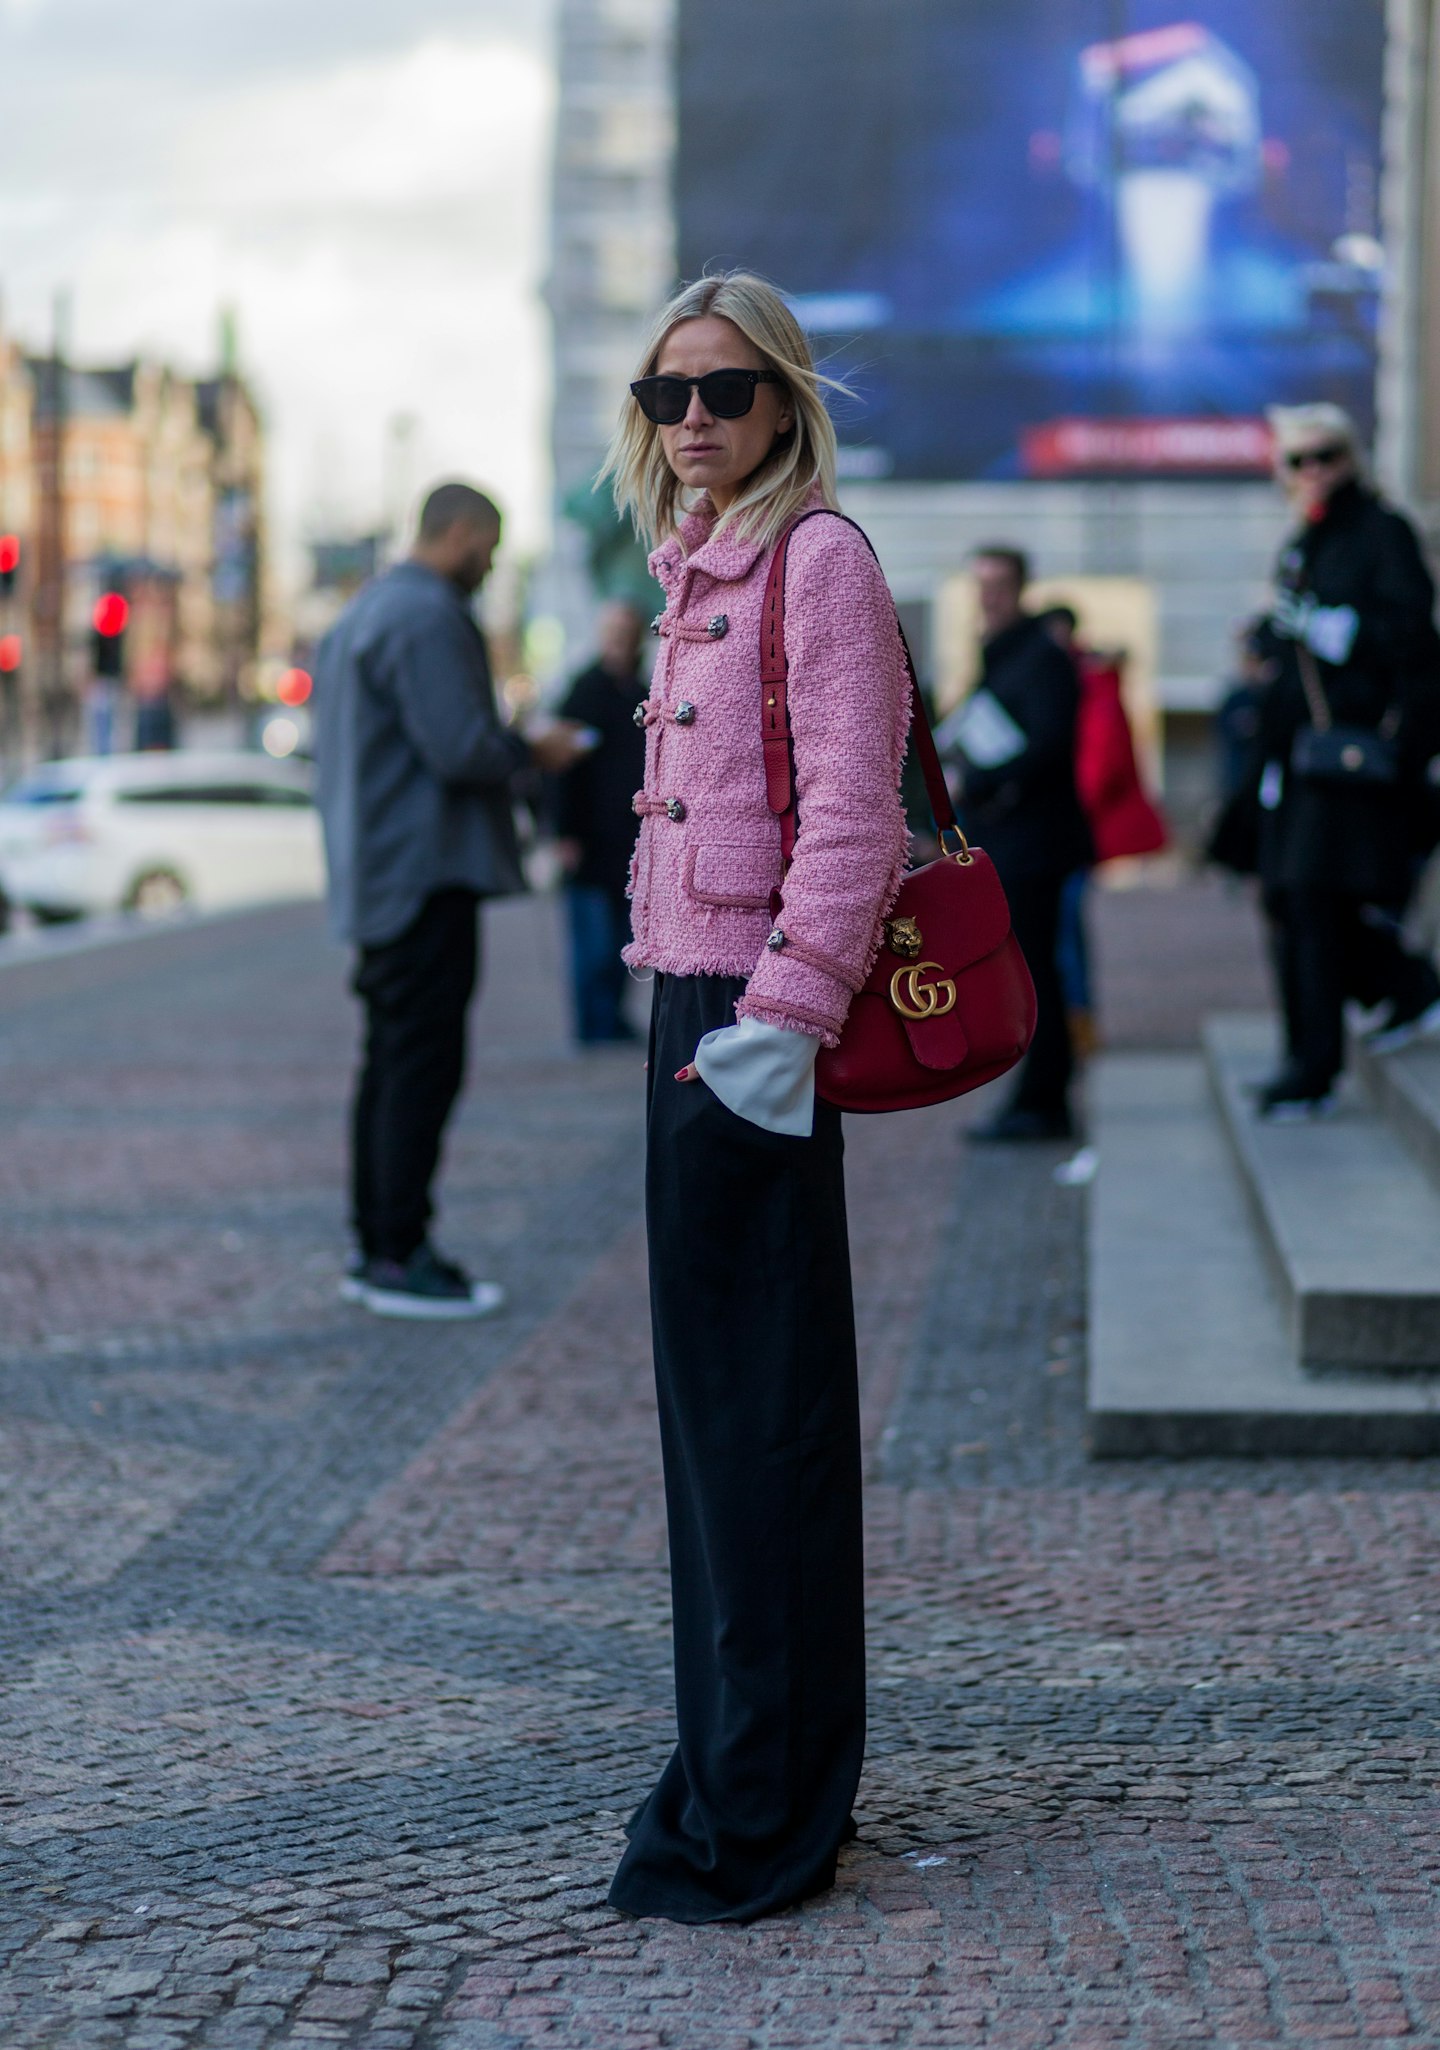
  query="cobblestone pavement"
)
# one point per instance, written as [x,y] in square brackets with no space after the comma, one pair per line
[336,1651]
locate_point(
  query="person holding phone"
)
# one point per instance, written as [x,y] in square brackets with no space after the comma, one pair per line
[415,772]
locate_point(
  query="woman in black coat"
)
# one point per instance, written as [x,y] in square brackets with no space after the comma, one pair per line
[1353,645]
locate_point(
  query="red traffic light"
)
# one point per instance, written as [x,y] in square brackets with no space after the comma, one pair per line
[9,554]
[294,687]
[11,649]
[110,614]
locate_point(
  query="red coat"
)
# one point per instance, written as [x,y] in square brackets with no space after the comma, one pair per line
[1122,818]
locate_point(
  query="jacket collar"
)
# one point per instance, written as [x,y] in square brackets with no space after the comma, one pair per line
[407,570]
[1011,637]
[1332,516]
[1343,504]
[727,557]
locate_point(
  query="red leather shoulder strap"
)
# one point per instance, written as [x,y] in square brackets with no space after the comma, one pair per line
[774,699]
[775,706]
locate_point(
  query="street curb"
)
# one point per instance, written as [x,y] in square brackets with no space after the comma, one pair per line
[117,929]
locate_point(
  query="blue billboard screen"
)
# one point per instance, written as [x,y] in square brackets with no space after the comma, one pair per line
[1049,237]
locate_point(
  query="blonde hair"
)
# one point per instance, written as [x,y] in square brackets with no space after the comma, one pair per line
[647,488]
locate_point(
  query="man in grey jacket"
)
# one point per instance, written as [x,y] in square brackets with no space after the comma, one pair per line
[414,787]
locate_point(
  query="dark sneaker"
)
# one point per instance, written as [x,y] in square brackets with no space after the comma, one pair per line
[1017,1127]
[1288,1102]
[1404,1025]
[426,1287]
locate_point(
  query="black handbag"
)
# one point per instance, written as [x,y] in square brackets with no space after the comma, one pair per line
[1233,841]
[1323,752]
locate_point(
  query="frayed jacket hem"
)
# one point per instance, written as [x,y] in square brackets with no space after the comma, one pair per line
[791,1018]
[687,961]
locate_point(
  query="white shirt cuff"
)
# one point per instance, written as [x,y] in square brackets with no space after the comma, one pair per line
[763,1073]
[1330,632]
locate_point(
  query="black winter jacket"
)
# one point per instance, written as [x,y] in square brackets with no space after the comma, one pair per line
[1360,841]
[594,801]
[1026,813]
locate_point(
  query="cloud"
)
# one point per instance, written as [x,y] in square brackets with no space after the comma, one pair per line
[196,42]
[374,209]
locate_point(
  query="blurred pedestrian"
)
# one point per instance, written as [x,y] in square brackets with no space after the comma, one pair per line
[414,775]
[1020,803]
[1237,716]
[1346,729]
[1124,822]
[1232,839]
[724,442]
[595,822]
[102,710]
[155,723]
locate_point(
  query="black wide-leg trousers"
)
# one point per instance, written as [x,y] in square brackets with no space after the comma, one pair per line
[754,1335]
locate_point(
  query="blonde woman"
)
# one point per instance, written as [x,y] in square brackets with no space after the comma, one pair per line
[724,442]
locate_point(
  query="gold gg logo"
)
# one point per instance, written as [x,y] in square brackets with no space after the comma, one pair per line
[913,998]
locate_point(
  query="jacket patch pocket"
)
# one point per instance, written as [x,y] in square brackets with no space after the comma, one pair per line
[734,878]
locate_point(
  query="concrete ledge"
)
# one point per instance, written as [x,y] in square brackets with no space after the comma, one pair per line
[1405,1088]
[1347,1217]
[1189,1350]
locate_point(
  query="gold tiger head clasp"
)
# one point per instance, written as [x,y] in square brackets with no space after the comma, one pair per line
[902,937]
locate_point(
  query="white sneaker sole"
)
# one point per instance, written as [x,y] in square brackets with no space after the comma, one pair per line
[1301,1113]
[351,1289]
[1423,1027]
[484,1299]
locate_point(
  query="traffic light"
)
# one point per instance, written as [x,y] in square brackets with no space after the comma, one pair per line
[9,564]
[11,651]
[294,687]
[108,619]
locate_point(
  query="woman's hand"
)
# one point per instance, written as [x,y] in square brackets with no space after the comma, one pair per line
[689,1073]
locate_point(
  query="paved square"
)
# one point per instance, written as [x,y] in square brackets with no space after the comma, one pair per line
[336,1651]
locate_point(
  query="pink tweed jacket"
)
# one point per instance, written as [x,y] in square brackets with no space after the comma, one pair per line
[708,855]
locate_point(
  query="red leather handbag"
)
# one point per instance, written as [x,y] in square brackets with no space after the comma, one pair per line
[949,1003]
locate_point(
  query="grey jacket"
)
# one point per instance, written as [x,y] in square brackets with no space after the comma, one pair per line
[414,767]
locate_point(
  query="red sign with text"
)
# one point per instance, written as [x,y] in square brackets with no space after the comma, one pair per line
[1235,447]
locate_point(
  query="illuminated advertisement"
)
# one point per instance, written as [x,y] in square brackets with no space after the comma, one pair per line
[1049,238]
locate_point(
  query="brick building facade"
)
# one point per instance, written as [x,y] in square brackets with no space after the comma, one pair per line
[157,490]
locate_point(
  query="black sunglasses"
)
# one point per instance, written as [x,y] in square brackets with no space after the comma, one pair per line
[728,394]
[1332,452]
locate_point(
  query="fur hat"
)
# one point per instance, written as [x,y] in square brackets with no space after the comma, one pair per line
[1305,426]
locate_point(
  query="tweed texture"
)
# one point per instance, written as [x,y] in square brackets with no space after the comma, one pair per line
[701,881]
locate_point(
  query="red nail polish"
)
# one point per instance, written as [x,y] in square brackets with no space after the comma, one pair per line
[681,1073]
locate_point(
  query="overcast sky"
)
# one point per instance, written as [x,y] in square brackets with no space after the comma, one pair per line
[363,181]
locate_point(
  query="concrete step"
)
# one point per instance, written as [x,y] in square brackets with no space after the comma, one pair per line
[1348,1218]
[1405,1086]
[1189,1347]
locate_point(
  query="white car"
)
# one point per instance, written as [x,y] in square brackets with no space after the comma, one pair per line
[150,832]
